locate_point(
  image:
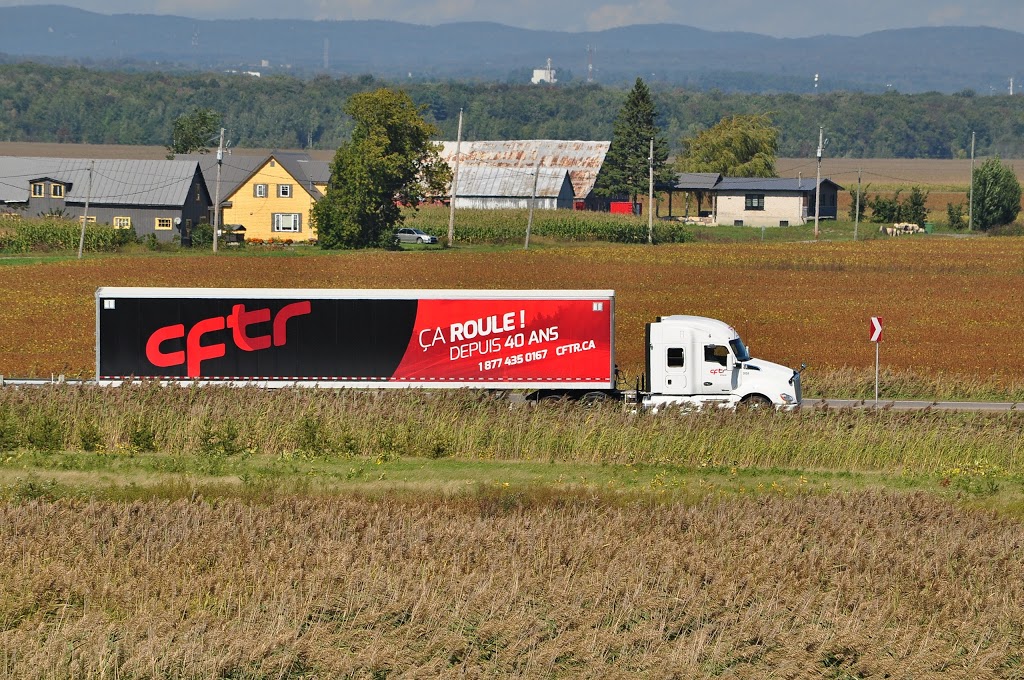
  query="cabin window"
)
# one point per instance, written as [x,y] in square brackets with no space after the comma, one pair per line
[37,190]
[284,190]
[91,219]
[753,202]
[57,190]
[122,223]
[675,357]
[291,222]
[716,354]
[164,223]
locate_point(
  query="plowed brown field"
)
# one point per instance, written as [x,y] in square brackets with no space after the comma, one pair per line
[951,305]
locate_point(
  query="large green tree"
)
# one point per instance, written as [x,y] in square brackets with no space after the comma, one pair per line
[626,169]
[390,161]
[193,132]
[738,146]
[996,195]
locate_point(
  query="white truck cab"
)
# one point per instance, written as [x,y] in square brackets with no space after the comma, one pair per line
[697,361]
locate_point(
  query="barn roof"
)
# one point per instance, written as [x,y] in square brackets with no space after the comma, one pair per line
[582,159]
[118,182]
[482,181]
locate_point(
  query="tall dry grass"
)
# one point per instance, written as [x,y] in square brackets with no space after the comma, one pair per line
[190,423]
[496,584]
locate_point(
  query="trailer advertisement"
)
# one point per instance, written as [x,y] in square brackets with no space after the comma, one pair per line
[477,338]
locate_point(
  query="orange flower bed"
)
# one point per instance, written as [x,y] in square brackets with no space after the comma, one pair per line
[951,306]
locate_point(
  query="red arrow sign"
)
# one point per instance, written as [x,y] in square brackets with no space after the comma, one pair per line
[876,329]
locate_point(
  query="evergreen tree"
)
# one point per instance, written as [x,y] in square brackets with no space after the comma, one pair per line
[626,166]
[389,162]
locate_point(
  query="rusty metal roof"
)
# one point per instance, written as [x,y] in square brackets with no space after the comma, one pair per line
[582,159]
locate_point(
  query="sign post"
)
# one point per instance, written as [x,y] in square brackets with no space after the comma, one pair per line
[876,337]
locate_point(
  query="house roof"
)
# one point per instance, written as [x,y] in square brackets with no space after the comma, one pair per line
[117,182]
[696,181]
[582,159]
[477,181]
[790,184]
[237,169]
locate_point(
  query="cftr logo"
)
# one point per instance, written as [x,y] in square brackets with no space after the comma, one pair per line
[239,320]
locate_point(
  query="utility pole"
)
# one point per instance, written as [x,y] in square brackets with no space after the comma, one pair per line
[533,200]
[85,215]
[216,199]
[970,196]
[455,184]
[650,194]
[817,187]
[856,219]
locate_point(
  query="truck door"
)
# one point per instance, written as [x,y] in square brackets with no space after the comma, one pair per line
[670,360]
[717,372]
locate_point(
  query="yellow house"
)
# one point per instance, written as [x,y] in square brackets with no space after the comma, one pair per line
[270,196]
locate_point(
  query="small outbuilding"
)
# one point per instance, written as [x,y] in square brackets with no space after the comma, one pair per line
[502,187]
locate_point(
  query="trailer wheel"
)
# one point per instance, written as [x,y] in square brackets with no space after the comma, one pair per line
[754,402]
[593,398]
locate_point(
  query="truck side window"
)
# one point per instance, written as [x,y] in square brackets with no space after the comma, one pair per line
[675,356]
[716,354]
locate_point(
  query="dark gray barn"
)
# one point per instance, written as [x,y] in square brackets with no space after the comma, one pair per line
[165,198]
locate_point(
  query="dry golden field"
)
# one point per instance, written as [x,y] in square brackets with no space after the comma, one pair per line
[493,584]
[951,306]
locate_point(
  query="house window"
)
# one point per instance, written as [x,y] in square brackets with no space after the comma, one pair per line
[783,223]
[122,223]
[164,223]
[287,222]
[754,202]
[199,196]
[37,190]
[57,190]
[675,357]
[284,190]
[91,219]
[259,190]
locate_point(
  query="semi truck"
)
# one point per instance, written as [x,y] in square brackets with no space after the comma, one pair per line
[544,343]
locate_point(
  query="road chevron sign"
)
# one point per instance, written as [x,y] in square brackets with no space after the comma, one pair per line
[876,329]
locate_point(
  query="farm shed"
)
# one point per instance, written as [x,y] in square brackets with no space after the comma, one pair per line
[752,201]
[164,198]
[491,188]
[581,159]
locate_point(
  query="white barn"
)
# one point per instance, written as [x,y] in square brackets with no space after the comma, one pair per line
[492,188]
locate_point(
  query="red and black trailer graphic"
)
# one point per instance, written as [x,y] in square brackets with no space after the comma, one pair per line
[385,338]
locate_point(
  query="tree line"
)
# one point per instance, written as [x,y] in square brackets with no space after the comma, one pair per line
[43,103]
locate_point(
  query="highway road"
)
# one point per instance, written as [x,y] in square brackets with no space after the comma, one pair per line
[900,405]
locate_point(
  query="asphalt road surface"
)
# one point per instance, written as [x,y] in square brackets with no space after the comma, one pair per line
[978,406]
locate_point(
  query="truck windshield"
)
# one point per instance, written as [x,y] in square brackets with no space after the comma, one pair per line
[739,349]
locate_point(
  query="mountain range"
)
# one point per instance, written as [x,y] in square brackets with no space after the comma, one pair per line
[948,59]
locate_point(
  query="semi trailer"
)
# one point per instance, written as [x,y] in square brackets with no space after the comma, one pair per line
[546,343]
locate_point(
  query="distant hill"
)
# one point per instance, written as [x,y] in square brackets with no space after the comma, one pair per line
[907,60]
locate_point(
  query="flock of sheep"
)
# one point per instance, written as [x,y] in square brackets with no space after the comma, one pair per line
[901,228]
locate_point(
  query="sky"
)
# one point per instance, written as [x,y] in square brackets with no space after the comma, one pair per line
[779,18]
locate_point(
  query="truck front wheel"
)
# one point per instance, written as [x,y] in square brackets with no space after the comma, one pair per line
[754,402]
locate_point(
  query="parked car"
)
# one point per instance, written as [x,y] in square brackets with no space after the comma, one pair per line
[407,235]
